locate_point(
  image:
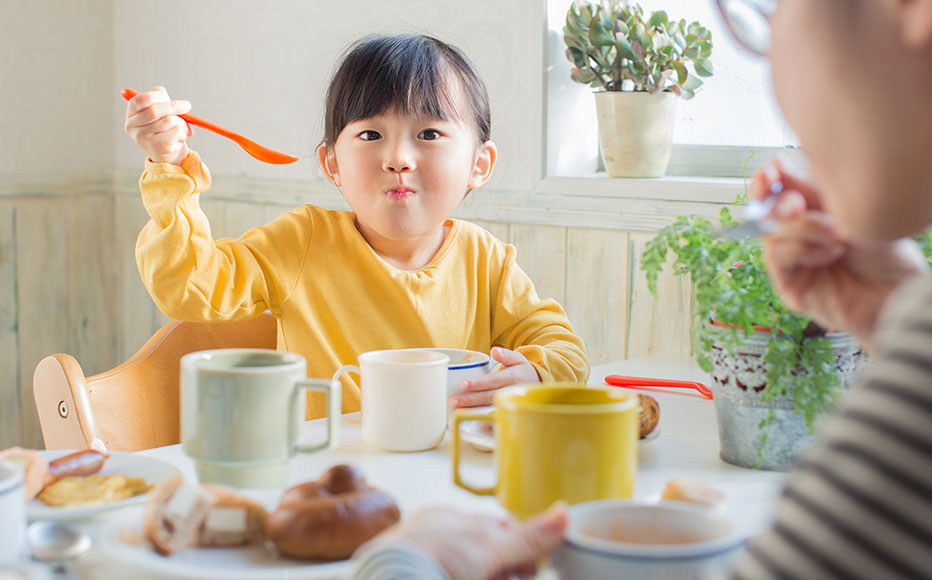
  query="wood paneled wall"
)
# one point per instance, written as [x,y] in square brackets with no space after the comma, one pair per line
[68,278]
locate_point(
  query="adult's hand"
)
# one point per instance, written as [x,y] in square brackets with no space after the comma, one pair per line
[841,283]
[469,545]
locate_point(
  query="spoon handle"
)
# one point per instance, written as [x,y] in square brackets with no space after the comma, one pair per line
[258,151]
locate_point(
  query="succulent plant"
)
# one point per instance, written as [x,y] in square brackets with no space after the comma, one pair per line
[613,48]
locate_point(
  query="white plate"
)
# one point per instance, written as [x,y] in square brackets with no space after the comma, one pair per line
[153,470]
[479,435]
[122,538]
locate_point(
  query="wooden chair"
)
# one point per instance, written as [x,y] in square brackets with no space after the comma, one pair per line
[135,405]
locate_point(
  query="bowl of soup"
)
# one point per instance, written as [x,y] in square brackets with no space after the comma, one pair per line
[666,540]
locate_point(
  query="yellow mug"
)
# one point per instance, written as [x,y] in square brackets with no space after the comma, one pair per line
[557,441]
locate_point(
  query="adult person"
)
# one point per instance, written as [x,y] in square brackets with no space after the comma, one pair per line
[854,80]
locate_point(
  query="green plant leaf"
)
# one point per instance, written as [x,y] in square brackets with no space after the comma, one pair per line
[681,72]
[584,76]
[598,35]
[703,68]
[624,47]
[658,18]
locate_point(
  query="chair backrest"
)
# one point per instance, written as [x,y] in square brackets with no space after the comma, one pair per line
[135,405]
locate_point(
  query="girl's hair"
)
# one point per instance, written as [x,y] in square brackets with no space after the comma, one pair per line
[410,74]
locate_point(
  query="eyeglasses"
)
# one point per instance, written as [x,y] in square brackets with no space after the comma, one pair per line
[749,22]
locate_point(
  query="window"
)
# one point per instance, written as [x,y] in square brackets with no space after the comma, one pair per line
[732,114]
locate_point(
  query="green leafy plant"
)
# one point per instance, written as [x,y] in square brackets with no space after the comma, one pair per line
[733,289]
[613,48]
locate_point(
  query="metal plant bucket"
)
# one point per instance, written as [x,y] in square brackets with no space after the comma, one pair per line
[737,383]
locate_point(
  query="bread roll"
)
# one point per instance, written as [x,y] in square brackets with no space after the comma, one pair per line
[648,415]
[175,511]
[181,515]
[35,468]
[329,518]
[232,520]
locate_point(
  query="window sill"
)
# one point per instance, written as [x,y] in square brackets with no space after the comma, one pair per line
[718,190]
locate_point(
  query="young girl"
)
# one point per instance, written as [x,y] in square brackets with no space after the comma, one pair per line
[406,138]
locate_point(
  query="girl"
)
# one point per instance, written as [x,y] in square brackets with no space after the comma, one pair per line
[407,135]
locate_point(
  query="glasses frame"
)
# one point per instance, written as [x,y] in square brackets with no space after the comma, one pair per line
[731,28]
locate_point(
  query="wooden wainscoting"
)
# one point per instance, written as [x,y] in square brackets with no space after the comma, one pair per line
[69,283]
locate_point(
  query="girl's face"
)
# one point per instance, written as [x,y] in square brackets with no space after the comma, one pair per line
[404,175]
[846,79]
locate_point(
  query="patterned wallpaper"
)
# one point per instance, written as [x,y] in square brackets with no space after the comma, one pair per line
[56,68]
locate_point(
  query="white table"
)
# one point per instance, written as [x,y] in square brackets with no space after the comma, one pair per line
[686,446]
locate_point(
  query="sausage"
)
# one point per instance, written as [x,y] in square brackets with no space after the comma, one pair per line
[86,462]
[329,518]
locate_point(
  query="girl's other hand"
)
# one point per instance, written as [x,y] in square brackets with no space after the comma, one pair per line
[152,121]
[515,370]
[841,283]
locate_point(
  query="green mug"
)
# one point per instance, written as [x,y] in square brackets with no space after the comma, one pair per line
[242,412]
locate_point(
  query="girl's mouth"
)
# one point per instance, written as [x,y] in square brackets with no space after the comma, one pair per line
[399,193]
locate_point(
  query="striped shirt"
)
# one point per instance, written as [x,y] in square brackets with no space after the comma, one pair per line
[860,504]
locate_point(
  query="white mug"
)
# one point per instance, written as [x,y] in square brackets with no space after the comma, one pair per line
[242,411]
[12,512]
[403,398]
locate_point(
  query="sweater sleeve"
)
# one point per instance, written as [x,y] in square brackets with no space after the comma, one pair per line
[860,504]
[394,559]
[189,275]
[537,328]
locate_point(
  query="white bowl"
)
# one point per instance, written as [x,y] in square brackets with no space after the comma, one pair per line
[623,539]
[464,364]
[12,512]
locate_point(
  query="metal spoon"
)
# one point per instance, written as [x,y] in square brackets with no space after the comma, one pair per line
[754,220]
[56,543]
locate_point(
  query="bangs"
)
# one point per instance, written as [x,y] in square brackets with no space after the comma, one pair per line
[408,74]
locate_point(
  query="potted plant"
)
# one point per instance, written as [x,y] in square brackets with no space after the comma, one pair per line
[775,373]
[638,68]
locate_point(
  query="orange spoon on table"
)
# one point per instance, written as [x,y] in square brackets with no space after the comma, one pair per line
[258,151]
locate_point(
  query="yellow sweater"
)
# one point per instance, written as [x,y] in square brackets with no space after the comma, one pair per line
[334,298]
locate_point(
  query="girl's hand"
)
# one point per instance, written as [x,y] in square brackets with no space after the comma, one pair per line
[515,370]
[842,284]
[152,121]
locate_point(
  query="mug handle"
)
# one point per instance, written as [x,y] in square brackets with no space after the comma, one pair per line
[332,391]
[459,417]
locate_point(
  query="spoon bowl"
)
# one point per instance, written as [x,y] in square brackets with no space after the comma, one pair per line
[56,542]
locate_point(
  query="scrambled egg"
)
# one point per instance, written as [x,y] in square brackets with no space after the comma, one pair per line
[92,489]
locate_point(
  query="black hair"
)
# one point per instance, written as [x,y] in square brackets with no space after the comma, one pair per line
[408,73]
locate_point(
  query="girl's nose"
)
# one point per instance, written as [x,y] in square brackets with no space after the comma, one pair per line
[399,160]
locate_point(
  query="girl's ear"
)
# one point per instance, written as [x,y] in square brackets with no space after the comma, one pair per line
[328,162]
[483,166]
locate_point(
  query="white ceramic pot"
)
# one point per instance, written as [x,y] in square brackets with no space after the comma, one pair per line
[12,512]
[671,540]
[635,132]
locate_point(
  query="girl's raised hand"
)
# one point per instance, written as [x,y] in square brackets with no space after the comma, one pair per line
[152,121]
[479,391]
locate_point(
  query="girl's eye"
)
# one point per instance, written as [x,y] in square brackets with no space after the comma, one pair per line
[369,135]
[429,134]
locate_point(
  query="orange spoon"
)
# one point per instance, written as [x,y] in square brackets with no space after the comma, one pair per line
[258,151]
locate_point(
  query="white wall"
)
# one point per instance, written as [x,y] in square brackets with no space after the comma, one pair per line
[56,68]
[262,67]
